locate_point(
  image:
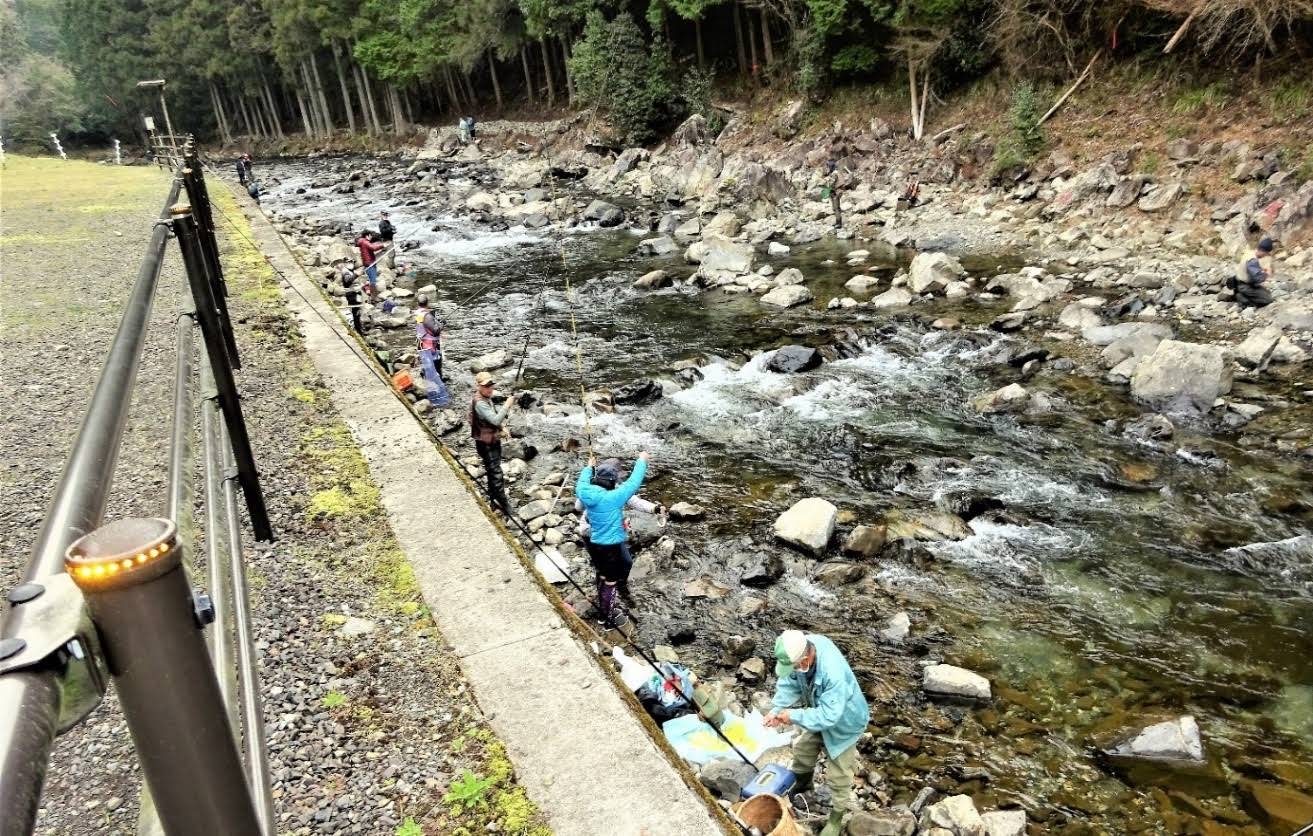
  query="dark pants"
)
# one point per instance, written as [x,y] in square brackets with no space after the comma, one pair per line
[1252,296]
[353,302]
[490,455]
[612,562]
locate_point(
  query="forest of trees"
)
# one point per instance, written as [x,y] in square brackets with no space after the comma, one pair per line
[267,68]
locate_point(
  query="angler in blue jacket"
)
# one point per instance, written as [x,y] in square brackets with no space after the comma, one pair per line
[818,692]
[604,503]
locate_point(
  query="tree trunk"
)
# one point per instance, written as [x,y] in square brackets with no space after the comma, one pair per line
[320,95]
[766,48]
[346,93]
[370,124]
[409,107]
[738,39]
[547,70]
[528,76]
[398,118]
[369,99]
[452,93]
[697,33]
[752,44]
[220,120]
[305,114]
[273,107]
[308,95]
[248,129]
[569,77]
[496,85]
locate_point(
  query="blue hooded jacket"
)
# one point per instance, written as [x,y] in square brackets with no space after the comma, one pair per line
[833,703]
[606,509]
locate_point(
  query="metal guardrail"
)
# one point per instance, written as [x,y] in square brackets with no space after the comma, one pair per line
[116,603]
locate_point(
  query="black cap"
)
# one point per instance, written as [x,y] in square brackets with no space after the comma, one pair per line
[1267,245]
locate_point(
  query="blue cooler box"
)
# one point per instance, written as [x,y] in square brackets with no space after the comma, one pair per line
[776,779]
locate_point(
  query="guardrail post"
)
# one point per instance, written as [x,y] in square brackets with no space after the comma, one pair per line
[131,575]
[207,314]
[200,205]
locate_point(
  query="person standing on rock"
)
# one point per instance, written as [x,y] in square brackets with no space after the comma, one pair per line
[611,472]
[243,169]
[486,422]
[818,692]
[1249,287]
[603,497]
[369,250]
[832,191]
[346,274]
[428,342]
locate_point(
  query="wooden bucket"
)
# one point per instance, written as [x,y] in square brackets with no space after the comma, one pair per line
[768,813]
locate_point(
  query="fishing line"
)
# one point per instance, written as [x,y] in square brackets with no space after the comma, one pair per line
[512,518]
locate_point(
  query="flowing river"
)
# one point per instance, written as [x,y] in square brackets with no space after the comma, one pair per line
[1095,589]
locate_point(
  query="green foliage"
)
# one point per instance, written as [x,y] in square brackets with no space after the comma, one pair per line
[410,827]
[1151,162]
[1023,117]
[695,91]
[334,699]
[1292,99]
[616,72]
[854,59]
[1198,99]
[468,792]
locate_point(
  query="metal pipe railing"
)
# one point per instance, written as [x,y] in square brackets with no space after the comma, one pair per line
[256,745]
[30,699]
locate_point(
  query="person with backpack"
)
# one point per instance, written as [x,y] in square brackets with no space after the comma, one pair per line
[1250,279]
[604,497]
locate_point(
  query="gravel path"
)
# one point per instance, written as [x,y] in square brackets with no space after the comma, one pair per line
[369,720]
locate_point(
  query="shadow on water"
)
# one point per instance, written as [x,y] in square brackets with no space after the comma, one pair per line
[1094,586]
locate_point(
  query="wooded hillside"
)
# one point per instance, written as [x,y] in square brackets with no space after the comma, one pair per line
[266,68]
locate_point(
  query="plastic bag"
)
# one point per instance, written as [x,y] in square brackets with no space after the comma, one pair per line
[668,695]
[697,742]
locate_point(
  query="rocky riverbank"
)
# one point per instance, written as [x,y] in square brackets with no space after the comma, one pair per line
[1077,312]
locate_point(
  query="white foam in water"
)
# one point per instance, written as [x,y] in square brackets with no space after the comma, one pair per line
[612,436]
[1004,547]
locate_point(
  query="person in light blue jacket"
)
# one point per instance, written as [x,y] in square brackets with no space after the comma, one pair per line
[818,692]
[604,501]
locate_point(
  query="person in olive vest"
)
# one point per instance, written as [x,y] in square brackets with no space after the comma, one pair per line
[486,423]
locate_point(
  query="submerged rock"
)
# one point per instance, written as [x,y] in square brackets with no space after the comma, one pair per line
[894,297]
[794,358]
[763,572]
[896,628]
[641,391]
[952,681]
[653,280]
[686,512]
[606,214]
[1012,398]
[657,246]
[809,524]
[1176,740]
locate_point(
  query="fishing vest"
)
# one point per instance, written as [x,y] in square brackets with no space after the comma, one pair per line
[425,337]
[480,430]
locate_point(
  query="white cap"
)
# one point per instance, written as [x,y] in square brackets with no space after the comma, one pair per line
[789,649]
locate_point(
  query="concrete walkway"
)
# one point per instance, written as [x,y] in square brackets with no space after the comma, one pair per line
[578,748]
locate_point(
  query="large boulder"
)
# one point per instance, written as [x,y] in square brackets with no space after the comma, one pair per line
[809,524]
[481,202]
[1173,740]
[1078,317]
[865,541]
[1005,822]
[606,214]
[957,814]
[1180,374]
[725,224]
[691,132]
[491,361]
[933,272]
[1161,197]
[1013,398]
[894,297]
[788,296]
[793,358]
[1267,345]
[882,823]
[657,246]
[641,391]
[721,257]
[952,681]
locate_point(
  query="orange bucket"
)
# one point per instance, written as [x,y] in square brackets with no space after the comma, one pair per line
[402,380]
